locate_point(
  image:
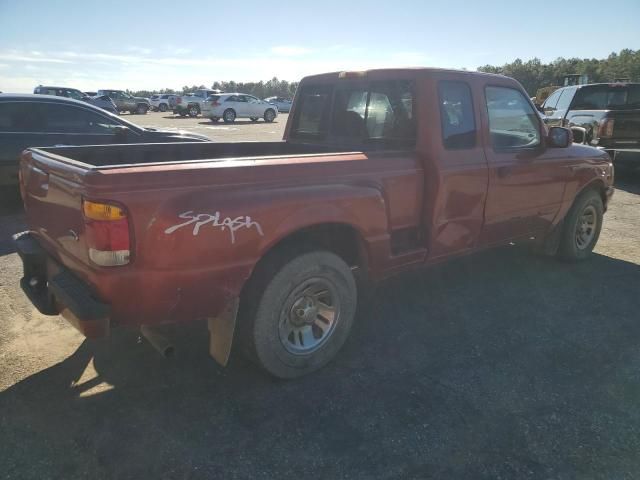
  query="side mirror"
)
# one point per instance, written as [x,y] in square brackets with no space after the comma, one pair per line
[539,108]
[559,137]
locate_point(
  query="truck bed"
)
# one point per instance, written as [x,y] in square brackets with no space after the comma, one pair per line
[105,156]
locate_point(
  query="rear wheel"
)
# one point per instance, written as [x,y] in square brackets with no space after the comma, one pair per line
[182,113]
[142,109]
[582,227]
[269,115]
[298,318]
[229,116]
[194,110]
[163,107]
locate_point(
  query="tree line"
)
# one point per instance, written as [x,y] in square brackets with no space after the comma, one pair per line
[261,89]
[533,74]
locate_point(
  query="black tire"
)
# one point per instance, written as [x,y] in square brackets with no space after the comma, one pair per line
[276,289]
[269,115]
[229,115]
[163,107]
[193,111]
[215,119]
[254,119]
[142,109]
[579,235]
[182,113]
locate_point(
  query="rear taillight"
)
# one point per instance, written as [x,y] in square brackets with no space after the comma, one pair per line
[606,128]
[107,233]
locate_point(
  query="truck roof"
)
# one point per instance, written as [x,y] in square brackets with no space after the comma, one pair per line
[394,72]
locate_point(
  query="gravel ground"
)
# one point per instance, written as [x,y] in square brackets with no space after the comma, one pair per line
[240,130]
[500,365]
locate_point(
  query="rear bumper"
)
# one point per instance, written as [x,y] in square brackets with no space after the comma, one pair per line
[53,289]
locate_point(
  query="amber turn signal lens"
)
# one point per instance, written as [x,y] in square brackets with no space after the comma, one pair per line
[102,211]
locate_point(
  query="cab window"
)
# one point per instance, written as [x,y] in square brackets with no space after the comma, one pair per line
[456,115]
[512,121]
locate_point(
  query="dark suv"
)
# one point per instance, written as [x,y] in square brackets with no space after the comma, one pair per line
[42,120]
[101,101]
[127,103]
[604,115]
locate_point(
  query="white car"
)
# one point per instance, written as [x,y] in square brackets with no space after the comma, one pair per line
[229,106]
[283,104]
[160,101]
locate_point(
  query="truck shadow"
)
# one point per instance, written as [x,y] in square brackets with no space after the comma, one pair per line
[503,362]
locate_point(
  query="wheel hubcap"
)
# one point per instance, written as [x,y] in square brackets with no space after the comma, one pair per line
[309,316]
[586,227]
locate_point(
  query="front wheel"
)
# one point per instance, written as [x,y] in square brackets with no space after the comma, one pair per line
[269,116]
[582,227]
[299,317]
[163,107]
[229,116]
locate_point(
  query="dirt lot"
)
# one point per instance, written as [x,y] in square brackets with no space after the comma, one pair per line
[241,130]
[501,365]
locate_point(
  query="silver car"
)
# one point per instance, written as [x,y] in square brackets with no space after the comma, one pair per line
[283,104]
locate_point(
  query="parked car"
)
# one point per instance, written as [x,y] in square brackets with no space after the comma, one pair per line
[101,101]
[604,115]
[230,106]
[161,102]
[43,120]
[281,239]
[283,104]
[127,103]
[191,104]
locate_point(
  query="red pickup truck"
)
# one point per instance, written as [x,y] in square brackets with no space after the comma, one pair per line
[379,171]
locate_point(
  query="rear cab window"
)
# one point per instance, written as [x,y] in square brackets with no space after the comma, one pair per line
[604,97]
[356,113]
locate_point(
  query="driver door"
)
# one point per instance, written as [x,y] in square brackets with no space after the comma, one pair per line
[526,180]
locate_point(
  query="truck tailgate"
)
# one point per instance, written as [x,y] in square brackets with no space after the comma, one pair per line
[52,194]
[626,124]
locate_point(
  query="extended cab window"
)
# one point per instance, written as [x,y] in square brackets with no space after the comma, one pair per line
[456,115]
[512,121]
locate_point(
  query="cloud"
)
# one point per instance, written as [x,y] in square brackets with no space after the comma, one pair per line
[289,51]
[11,57]
[140,50]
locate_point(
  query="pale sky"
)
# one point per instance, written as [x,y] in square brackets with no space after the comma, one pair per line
[166,44]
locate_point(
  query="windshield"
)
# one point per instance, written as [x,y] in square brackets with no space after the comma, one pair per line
[603,97]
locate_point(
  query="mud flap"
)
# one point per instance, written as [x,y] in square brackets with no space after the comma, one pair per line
[221,330]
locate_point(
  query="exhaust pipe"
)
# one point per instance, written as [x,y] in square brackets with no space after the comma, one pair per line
[158,341]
